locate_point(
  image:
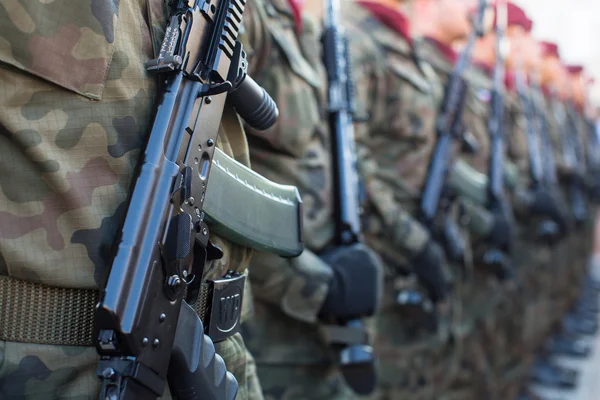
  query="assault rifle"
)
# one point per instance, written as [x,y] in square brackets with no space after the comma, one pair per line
[147,333]
[356,359]
[593,159]
[543,177]
[497,259]
[436,200]
[573,158]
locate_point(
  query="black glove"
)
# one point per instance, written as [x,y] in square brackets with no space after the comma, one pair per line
[501,235]
[356,287]
[431,268]
[544,203]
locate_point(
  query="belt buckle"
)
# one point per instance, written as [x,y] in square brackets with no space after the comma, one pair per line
[225,305]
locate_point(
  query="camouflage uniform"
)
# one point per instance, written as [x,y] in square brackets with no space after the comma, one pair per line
[488,298]
[571,254]
[75,110]
[293,359]
[401,97]
[481,292]
[527,309]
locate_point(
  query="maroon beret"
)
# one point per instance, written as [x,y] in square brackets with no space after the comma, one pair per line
[516,16]
[574,69]
[549,49]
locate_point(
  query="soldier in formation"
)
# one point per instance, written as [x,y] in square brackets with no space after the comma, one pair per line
[448,192]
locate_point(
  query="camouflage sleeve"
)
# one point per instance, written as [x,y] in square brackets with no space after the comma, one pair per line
[518,156]
[291,152]
[370,79]
[255,36]
[517,140]
[298,286]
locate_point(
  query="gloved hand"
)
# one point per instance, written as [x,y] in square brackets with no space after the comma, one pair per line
[356,286]
[431,268]
[544,203]
[501,235]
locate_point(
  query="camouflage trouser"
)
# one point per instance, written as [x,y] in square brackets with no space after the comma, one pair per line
[531,309]
[303,382]
[415,366]
[43,372]
[483,340]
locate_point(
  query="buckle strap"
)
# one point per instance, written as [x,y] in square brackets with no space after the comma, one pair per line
[32,312]
[36,313]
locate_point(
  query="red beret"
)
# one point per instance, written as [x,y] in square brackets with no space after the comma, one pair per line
[549,49]
[516,16]
[574,69]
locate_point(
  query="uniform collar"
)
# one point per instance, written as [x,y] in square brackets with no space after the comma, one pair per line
[296,8]
[484,66]
[510,80]
[447,51]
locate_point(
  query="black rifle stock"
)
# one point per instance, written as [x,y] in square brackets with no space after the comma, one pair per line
[356,361]
[435,199]
[497,259]
[146,333]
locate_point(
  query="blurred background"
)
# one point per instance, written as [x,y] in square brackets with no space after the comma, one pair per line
[575,26]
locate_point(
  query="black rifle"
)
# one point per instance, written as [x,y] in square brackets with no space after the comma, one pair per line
[543,176]
[497,259]
[573,158]
[593,159]
[356,361]
[146,333]
[436,198]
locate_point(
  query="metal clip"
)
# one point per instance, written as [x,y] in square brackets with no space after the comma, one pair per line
[225,306]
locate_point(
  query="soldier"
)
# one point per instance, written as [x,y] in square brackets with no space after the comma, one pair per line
[401,93]
[570,255]
[294,298]
[512,366]
[579,111]
[75,111]
[492,284]
[580,124]
[536,267]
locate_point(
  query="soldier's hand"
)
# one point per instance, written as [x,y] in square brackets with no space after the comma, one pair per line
[431,267]
[501,235]
[356,287]
[545,203]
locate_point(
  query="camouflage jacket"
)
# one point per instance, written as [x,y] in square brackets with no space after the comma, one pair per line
[553,125]
[468,172]
[477,114]
[75,110]
[517,149]
[289,293]
[395,145]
